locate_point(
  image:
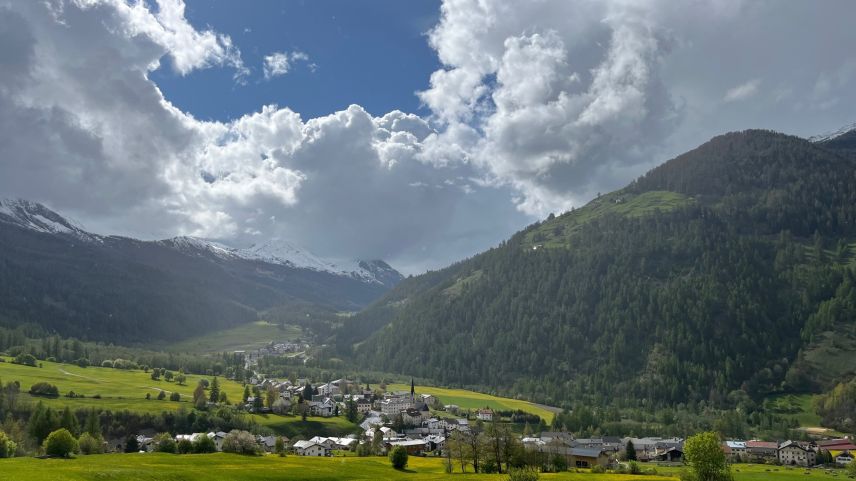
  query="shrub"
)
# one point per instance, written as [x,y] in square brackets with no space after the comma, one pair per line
[398,457]
[175,396]
[560,463]
[203,444]
[161,395]
[132,445]
[25,359]
[525,474]
[184,447]
[82,362]
[60,444]
[51,359]
[90,444]
[633,468]
[240,442]
[7,446]
[164,443]
[598,469]
[44,389]
[107,363]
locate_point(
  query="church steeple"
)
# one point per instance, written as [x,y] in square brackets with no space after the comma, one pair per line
[412,391]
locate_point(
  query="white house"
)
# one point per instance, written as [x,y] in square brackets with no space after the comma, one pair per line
[308,448]
[844,458]
[328,443]
[324,408]
[394,405]
[794,453]
[485,415]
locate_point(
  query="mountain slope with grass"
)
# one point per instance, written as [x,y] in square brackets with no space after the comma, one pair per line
[707,279]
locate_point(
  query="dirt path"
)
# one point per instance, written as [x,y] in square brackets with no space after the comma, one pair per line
[78,375]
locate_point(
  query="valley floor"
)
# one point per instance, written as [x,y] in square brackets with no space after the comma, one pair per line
[226,467]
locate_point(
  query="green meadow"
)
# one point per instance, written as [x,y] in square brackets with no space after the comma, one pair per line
[226,467]
[474,400]
[126,390]
[245,337]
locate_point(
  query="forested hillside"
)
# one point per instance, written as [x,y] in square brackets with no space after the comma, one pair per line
[122,290]
[710,275]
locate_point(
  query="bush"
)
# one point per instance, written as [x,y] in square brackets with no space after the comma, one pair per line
[25,359]
[240,442]
[51,359]
[560,463]
[203,444]
[525,474]
[44,389]
[7,446]
[398,457]
[107,363]
[175,396]
[82,362]
[184,447]
[60,444]
[633,468]
[161,395]
[598,469]
[90,444]
[164,443]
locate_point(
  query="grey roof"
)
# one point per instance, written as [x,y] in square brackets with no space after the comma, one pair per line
[586,452]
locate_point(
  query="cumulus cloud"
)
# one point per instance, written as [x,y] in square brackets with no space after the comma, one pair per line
[279,63]
[742,91]
[536,108]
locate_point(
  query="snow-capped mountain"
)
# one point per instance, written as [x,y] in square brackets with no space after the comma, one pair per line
[68,280]
[833,135]
[284,253]
[35,216]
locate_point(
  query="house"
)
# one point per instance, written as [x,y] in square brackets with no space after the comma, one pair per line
[837,446]
[324,408]
[328,443]
[735,451]
[267,443]
[485,415]
[394,405]
[795,453]
[413,446]
[344,444]
[671,455]
[844,458]
[363,405]
[218,438]
[308,448]
[428,399]
[587,457]
[762,451]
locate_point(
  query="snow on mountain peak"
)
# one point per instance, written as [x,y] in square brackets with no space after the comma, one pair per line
[284,253]
[37,217]
[832,135]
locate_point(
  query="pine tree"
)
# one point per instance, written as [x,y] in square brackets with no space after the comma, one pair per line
[92,425]
[69,421]
[631,451]
[214,391]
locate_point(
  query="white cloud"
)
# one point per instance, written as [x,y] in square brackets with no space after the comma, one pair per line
[279,63]
[537,106]
[742,91]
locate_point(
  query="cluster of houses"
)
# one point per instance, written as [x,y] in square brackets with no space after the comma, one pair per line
[792,453]
[604,451]
[251,358]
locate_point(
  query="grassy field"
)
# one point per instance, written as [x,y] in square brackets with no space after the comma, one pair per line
[120,389]
[246,337]
[794,406]
[474,400]
[226,467]
[557,233]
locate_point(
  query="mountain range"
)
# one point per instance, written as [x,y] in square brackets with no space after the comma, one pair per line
[56,274]
[725,273]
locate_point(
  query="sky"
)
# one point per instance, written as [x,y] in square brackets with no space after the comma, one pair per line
[417,132]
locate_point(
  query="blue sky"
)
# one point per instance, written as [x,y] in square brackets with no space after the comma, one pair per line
[374,54]
[420,132]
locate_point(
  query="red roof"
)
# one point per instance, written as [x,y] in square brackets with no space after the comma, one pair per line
[762,444]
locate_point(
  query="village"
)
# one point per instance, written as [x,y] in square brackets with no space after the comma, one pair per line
[423,426]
